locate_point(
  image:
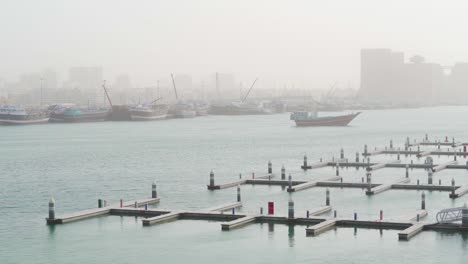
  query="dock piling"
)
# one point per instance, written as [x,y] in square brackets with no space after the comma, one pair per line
[121,203]
[154,194]
[337,169]
[305,162]
[391,144]
[327,199]
[290,181]
[212,182]
[429,175]
[99,203]
[283,173]
[341,153]
[365,149]
[334,213]
[369,181]
[465,215]
[355,216]
[453,187]
[381,215]
[136,204]
[423,201]
[238,193]
[52,209]
[407,170]
[270,169]
[290,209]
[261,210]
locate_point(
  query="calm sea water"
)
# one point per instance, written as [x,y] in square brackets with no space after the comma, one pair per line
[79,163]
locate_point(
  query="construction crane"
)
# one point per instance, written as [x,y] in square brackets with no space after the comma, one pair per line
[248,92]
[173,84]
[107,94]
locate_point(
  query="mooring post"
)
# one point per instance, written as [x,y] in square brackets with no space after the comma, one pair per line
[465,215]
[212,182]
[238,193]
[337,169]
[327,197]
[154,194]
[357,156]
[417,182]
[391,144]
[407,170]
[438,145]
[290,181]
[381,215]
[290,208]
[233,211]
[417,218]
[440,182]
[270,169]
[365,149]
[305,162]
[455,155]
[136,204]
[283,173]
[355,216]
[334,213]
[146,206]
[99,202]
[341,153]
[240,176]
[369,181]
[398,155]
[307,214]
[453,187]
[427,138]
[429,175]
[419,149]
[51,209]
[261,210]
[423,201]
[121,203]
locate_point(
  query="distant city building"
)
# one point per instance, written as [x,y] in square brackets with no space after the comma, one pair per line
[89,81]
[386,77]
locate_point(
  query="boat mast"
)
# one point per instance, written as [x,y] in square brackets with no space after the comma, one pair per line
[107,95]
[248,92]
[41,92]
[175,89]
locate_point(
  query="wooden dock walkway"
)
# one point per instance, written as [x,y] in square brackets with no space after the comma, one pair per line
[243,221]
[411,231]
[238,182]
[459,192]
[384,187]
[310,184]
[443,165]
[321,227]
[381,165]
[89,213]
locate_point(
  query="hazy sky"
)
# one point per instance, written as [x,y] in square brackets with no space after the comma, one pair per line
[309,43]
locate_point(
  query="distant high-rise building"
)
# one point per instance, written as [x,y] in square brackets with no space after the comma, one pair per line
[385,77]
[89,81]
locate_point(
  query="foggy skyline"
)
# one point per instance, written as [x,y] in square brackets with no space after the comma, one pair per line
[310,44]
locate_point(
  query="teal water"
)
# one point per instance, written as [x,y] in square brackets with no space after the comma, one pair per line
[79,163]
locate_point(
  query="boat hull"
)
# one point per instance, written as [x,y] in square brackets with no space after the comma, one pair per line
[327,121]
[24,122]
[84,117]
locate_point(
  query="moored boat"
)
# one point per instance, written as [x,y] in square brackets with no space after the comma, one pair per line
[312,119]
[148,112]
[72,114]
[17,115]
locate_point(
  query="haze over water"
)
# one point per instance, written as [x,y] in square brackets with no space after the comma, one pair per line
[79,163]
